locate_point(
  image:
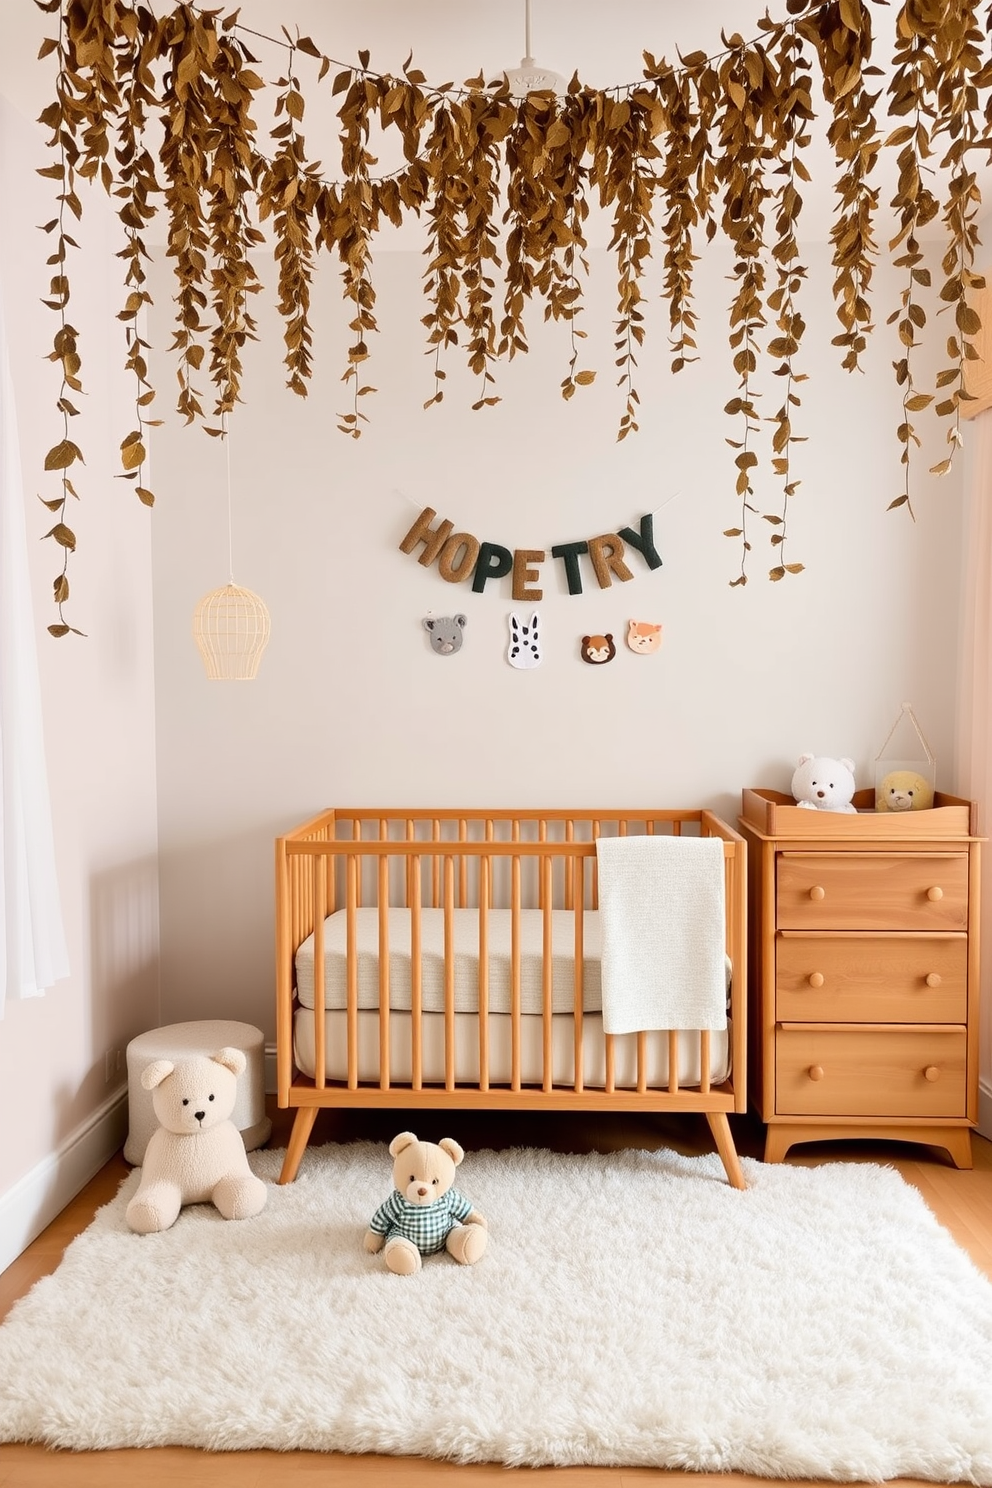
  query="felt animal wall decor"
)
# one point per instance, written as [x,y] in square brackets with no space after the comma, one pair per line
[642,638]
[524,648]
[446,633]
[424,1214]
[597,650]
[197,1155]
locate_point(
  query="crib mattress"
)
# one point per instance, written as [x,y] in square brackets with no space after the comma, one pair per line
[466,1030]
[466,961]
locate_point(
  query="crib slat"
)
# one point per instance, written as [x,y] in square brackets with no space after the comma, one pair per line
[435,865]
[410,837]
[462,865]
[352,894]
[515,970]
[485,893]
[642,1063]
[542,836]
[610,1083]
[704,1060]
[569,865]
[319,1023]
[579,971]
[490,834]
[384,989]
[416,978]
[673,1060]
[449,972]
[547,969]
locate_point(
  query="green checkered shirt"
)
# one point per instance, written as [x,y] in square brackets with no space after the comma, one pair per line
[426,1225]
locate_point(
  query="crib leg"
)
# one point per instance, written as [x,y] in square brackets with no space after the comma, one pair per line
[722,1136]
[297,1144]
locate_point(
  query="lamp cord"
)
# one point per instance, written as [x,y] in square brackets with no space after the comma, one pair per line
[230,532]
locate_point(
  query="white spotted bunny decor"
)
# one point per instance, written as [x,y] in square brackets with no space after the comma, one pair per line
[524,649]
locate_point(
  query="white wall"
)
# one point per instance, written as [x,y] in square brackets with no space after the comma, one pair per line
[56,1104]
[352,707]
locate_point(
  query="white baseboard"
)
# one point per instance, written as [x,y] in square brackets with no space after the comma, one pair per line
[985,1109]
[36,1199]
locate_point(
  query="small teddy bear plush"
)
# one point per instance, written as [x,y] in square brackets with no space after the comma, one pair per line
[197,1155]
[424,1214]
[904,790]
[824,784]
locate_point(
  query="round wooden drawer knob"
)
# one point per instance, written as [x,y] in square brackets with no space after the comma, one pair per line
[931,1073]
[817,892]
[815,979]
[816,1072]
[935,893]
[933,979]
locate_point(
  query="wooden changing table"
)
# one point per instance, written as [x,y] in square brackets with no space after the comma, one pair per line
[864,971]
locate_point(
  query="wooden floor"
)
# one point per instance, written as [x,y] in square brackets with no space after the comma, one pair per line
[962,1201]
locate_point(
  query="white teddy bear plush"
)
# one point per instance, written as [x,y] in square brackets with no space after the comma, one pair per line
[197,1155]
[824,784]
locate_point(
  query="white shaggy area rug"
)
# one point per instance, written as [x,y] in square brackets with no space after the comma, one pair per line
[631,1310]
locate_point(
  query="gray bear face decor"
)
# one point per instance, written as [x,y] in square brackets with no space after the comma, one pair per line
[446,633]
[524,649]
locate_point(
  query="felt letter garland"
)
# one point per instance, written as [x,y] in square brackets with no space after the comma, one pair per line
[493,563]
[524,573]
[448,565]
[606,553]
[460,555]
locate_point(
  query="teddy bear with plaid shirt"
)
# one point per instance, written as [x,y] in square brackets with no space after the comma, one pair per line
[424,1213]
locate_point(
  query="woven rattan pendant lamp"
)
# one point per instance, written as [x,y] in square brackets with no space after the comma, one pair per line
[231,624]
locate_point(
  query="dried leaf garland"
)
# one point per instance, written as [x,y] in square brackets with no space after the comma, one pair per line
[712,145]
[355,222]
[961,74]
[789,119]
[288,192]
[842,37]
[61,117]
[134,182]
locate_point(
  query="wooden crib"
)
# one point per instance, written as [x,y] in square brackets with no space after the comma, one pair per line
[454,955]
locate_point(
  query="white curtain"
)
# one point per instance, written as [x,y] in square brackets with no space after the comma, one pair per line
[975,708]
[31,934]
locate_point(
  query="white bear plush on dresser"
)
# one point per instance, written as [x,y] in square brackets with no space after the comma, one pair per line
[197,1155]
[824,784]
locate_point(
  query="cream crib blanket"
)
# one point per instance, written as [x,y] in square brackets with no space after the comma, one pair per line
[661,903]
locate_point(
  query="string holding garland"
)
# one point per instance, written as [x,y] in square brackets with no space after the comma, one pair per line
[714,145]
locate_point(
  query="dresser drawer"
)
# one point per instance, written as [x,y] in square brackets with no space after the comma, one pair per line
[853,1072]
[871,978]
[872,891]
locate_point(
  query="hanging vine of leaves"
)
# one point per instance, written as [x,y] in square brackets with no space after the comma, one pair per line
[741,160]
[916,205]
[696,148]
[961,74]
[790,121]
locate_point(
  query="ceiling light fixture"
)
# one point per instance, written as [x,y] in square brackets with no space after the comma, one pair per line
[529,77]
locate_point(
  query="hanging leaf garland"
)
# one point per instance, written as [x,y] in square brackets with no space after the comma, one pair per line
[707,146]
